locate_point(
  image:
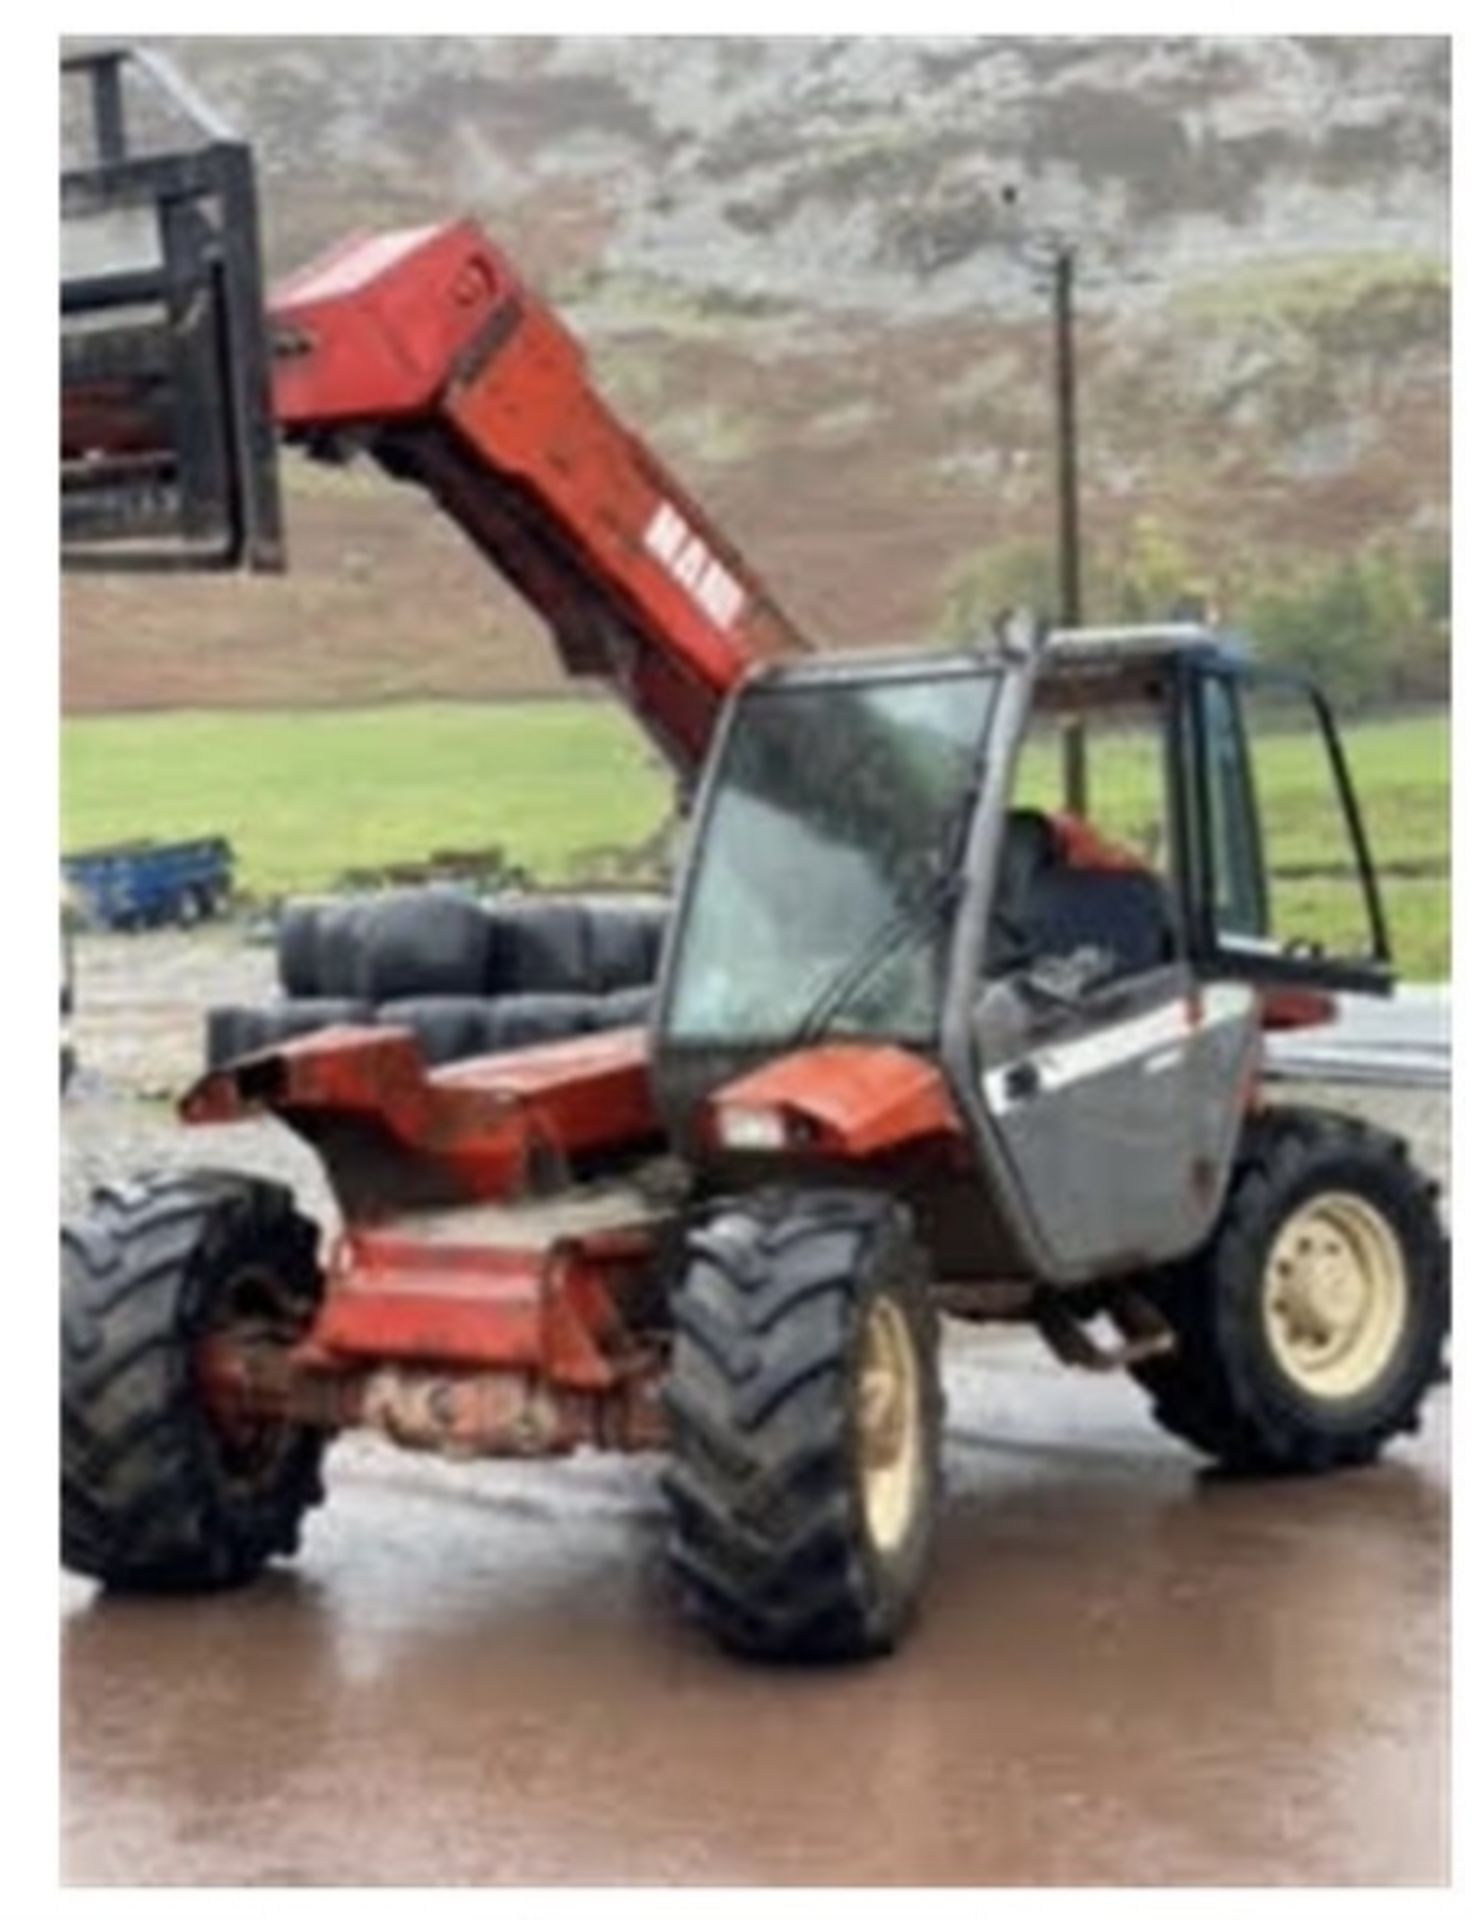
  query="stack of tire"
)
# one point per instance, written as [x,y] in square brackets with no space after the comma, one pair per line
[467,977]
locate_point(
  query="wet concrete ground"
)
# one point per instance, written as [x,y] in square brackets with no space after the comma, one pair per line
[1126,1673]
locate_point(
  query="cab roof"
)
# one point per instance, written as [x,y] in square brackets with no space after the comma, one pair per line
[1095,656]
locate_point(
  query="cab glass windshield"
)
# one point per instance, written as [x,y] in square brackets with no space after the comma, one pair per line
[820,893]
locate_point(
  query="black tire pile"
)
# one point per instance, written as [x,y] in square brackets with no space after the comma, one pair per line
[467,977]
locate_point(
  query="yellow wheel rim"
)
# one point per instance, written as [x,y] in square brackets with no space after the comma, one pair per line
[1336,1298]
[889,1424]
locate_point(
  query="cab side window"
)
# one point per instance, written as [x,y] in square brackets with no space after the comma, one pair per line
[1068,884]
[1238,896]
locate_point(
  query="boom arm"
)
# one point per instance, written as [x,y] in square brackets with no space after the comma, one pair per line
[427,349]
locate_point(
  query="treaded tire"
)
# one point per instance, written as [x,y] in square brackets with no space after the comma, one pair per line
[1224,1389]
[769,1535]
[152,1495]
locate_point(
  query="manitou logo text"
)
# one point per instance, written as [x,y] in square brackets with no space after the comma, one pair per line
[693,564]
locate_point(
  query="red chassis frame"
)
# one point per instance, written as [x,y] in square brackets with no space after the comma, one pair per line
[466,1307]
[479,1298]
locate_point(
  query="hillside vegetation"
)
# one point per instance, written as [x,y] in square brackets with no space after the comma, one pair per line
[811,272]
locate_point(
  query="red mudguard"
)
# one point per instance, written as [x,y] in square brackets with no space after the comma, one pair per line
[851,1101]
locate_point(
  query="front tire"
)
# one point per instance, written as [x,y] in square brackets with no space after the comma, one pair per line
[805,1413]
[156,1491]
[1310,1327]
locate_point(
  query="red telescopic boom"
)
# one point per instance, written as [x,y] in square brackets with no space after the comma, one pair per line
[427,349]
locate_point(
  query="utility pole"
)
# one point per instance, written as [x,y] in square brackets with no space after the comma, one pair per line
[1070,584]
[1059,254]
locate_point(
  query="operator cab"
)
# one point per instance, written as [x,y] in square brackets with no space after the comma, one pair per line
[853,804]
[880,858]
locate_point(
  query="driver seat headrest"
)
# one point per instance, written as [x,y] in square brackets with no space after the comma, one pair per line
[1028,844]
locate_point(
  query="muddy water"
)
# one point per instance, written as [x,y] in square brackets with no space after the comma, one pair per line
[1125,1673]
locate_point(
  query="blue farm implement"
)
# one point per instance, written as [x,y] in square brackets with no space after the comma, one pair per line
[145,883]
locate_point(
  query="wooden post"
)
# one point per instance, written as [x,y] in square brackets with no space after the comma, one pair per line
[1075,753]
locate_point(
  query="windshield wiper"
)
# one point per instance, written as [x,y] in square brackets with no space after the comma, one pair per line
[910,919]
[906,924]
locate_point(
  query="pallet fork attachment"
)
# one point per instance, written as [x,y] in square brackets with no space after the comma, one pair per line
[168,445]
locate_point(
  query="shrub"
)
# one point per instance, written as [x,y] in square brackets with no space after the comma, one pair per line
[1372,626]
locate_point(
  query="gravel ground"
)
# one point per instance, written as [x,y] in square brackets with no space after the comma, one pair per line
[139,1032]
[139,1035]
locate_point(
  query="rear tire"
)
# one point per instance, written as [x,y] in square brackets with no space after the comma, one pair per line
[155,1492]
[805,1412]
[1310,1327]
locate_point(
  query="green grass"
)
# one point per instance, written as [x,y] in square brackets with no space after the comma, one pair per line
[304,796]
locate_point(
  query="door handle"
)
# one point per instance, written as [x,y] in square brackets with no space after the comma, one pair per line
[1021,1082]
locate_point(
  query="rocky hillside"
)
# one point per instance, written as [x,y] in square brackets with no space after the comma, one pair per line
[812,272]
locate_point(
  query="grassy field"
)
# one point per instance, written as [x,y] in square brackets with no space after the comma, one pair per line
[305,796]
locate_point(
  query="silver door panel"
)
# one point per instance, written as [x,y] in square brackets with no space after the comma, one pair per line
[1119,1119]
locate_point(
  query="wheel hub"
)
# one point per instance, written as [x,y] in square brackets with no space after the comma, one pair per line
[888,1423]
[1336,1298]
[254,1314]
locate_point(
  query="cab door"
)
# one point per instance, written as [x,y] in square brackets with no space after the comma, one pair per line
[1111,1074]
[1117,1111]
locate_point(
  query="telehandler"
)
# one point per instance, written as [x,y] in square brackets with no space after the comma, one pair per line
[917,1043]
